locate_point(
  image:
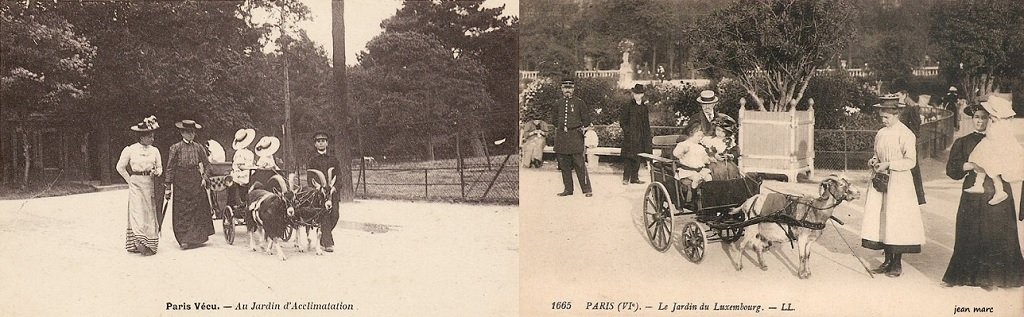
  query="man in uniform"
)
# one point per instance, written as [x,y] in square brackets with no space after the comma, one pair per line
[571,115]
[324,162]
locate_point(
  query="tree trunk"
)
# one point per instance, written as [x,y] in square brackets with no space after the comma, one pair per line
[104,161]
[430,149]
[343,141]
[26,148]
[671,60]
[478,144]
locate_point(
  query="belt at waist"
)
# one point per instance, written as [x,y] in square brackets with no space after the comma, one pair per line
[143,173]
[695,169]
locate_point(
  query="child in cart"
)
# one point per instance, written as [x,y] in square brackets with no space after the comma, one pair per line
[693,157]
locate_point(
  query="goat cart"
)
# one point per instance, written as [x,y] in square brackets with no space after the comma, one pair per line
[667,198]
[230,208]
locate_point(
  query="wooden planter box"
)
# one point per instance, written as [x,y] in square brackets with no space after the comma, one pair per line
[777,142]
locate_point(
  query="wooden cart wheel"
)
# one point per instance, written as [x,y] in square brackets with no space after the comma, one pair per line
[228,222]
[658,213]
[694,241]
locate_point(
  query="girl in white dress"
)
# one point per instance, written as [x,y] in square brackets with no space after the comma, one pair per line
[999,155]
[693,157]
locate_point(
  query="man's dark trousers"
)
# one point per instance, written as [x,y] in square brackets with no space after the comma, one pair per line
[631,173]
[570,162]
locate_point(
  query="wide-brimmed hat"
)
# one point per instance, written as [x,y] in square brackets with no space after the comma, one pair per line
[243,138]
[889,101]
[267,146]
[638,89]
[147,125]
[188,124]
[999,107]
[321,136]
[969,110]
[707,97]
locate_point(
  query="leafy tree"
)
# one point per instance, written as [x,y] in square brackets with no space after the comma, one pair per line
[773,48]
[979,44]
[550,36]
[46,66]
[894,39]
[419,88]
[177,60]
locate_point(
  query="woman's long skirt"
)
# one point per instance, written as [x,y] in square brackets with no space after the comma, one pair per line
[142,223]
[985,252]
[533,149]
[192,220]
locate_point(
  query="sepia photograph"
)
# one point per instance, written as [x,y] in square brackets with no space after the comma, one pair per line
[771,158]
[315,157]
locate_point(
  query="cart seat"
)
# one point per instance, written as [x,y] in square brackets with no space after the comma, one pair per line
[667,143]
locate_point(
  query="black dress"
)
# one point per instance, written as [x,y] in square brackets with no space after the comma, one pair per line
[986,251]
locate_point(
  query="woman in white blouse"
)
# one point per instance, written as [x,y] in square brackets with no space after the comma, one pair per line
[892,218]
[139,165]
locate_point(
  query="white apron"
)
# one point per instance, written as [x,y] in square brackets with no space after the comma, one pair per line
[894,217]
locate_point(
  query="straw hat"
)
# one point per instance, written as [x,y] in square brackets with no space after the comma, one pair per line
[707,97]
[267,146]
[188,124]
[999,107]
[243,138]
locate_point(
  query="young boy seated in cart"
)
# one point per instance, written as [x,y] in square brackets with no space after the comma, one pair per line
[693,157]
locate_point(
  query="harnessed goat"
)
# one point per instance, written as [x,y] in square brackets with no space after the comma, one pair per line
[803,216]
[270,211]
[311,206]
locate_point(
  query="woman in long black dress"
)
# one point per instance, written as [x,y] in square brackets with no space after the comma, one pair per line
[986,251]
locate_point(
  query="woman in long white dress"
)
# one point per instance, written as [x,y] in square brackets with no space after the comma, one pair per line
[139,164]
[892,218]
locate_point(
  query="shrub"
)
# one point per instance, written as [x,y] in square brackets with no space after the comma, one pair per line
[538,99]
[836,97]
[609,135]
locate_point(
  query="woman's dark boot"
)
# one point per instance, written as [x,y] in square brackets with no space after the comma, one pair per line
[885,265]
[897,266]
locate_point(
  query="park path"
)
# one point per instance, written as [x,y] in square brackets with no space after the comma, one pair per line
[594,249]
[65,256]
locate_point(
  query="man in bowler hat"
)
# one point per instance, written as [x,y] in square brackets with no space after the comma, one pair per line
[636,134]
[571,115]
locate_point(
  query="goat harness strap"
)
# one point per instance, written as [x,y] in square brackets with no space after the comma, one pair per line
[255,206]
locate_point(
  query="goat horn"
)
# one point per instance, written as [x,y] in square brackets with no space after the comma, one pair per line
[330,173]
[321,180]
[280,182]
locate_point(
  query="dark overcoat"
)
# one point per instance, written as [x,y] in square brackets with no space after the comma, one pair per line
[636,129]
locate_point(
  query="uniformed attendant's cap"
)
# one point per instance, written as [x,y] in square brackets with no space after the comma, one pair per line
[321,136]
[568,82]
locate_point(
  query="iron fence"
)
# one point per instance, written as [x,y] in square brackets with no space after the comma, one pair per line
[845,150]
[492,179]
[476,160]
